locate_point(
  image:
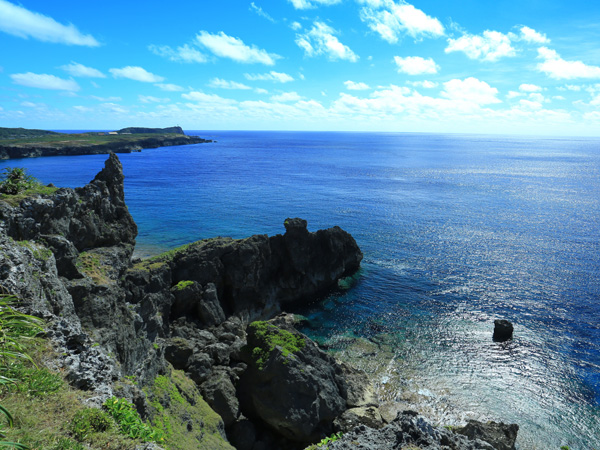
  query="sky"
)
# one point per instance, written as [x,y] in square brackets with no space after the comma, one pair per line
[469,66]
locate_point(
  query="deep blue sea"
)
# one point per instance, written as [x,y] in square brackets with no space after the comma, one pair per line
[457,230]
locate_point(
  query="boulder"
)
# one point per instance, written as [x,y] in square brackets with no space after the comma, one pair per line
[503,330]
[502,436]
[291,385]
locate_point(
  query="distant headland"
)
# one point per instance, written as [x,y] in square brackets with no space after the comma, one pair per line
[29,143]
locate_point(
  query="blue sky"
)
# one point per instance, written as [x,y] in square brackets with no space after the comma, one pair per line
[507,67]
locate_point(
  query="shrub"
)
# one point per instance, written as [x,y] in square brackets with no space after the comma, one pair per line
[88,421]
[15,180]
[130,422]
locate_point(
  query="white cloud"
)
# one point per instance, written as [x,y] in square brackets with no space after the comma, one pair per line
[491,46]
[225,84]
[169,87]
[136,73]
[79,70]
[261,91]
[106,99]
[529,104]
[424,84]
[352,86]
[529,88]
[393,20]
[320,40]
[82,109]
[514,94]
[286,97]
[114,108]
[23,23]
[44,81]
[470,90]
[151,99]
[559,69]
[415,65]
[184,53]
[532,36]
[295,26]
[279,77]
[201,97]
[233,48]
[309,4]
[258,10]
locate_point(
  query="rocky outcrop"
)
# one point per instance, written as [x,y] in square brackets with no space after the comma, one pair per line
[87,146]
[503,330]
[294,387]
[143,130]
[68,256]
[409,430]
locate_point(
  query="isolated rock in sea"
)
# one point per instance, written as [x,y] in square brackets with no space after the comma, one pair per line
[503,330]
[502,436]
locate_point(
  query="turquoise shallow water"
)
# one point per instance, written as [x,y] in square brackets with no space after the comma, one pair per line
[456,230]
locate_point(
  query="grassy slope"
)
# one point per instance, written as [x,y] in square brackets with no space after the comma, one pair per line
[44,407]
[81,140]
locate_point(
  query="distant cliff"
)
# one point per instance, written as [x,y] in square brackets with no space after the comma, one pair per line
[62,144]
[141,130]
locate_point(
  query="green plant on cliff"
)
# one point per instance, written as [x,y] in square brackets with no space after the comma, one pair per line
[130,422]
[15,328]
[268,337]
[183,284]
[324,443]
[16,184]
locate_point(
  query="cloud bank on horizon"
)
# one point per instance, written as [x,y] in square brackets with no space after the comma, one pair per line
[380,65]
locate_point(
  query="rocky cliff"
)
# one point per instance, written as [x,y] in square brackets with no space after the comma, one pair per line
[91,145]
[203,319]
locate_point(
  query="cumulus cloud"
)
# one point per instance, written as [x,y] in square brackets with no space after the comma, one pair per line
[309,4]
[21,22]
[424,84]
[470,90]
[106,99]
[258,10]
[225,84]
[136,73]
[225,46]
[559,69]
[278,77]
[201,97]
[287,97]
[415,65]
[169,87]
[44,81]
[352,86]
[529,88]
[295,26]
[532,36]
[320,40]
[79,70]
[491,46]
[393,20]
[151,99]
[185,53]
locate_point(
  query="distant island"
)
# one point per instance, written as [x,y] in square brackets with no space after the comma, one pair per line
[29,143]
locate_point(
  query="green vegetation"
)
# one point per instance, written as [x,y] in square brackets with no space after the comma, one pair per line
[269,336]
[20,133]
[183,284]
[88,421]
[180,412]
[325,441]
[90,264]
[130,422]
[59,140]
[16,184]
[40,252]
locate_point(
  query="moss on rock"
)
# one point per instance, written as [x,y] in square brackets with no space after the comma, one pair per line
[186,420]
[268,337]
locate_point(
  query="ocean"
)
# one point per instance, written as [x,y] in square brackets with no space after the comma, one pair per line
[457,230]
